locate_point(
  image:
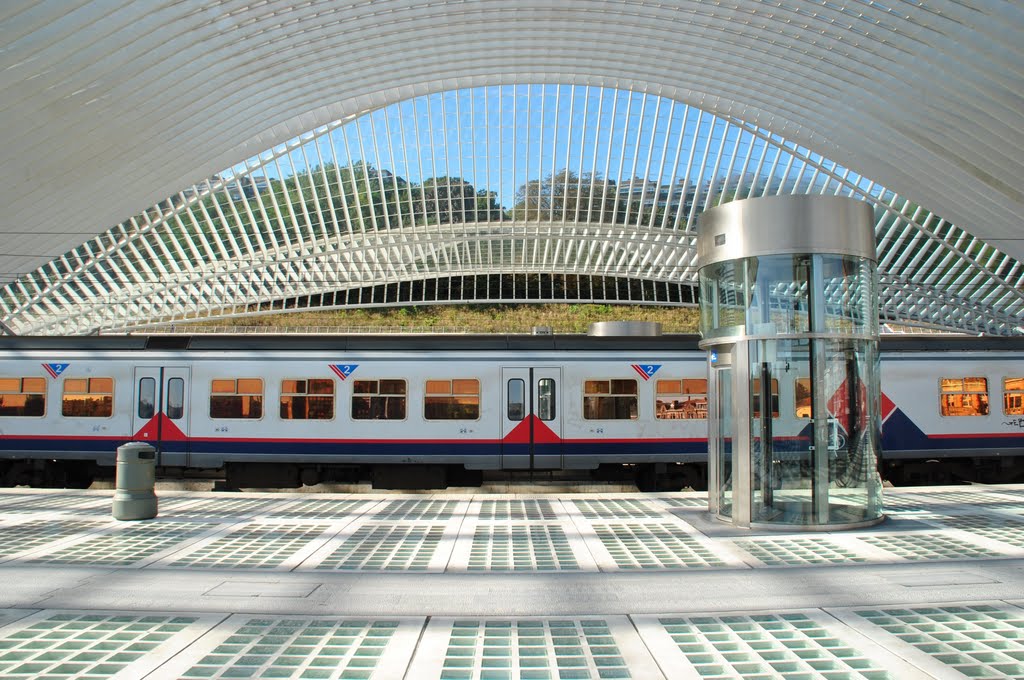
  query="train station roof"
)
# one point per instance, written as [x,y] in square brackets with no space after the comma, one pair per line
[175,160]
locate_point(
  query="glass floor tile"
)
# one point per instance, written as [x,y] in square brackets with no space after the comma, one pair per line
[295,647]
[322,509]
[979,641]
[551,649]
[654,546]
[33,503]
[253,546]
[685,502]
[521,547]
[26,536]
[418,510]
[792,646]
[972,522]
[1010,535]
[789,551]
[928,547]
[903,502]
[525,509]
[126,544]
[229,507]
[74,645]
[386,546]
[617,508]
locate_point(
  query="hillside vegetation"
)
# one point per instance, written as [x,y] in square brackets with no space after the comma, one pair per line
[572,318]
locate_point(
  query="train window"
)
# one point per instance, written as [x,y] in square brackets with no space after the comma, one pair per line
[802,397]
[964,396]
[88,398]
[378,400]
[24,397]
[452,399]
[1013,396]
[175,398]
[546,399]
[516,399]
[755,398]
[307,399]
[681,399]
[610,399]
[147,398]
[236,398]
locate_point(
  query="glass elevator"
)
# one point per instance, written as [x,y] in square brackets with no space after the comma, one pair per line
[789,318]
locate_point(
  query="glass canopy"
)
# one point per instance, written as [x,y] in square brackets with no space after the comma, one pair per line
[525,193]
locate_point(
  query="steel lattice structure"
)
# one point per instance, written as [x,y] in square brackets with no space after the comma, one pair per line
[652,111]
[597,184]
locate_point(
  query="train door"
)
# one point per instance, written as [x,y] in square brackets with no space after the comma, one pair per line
[531,431]
[160,413]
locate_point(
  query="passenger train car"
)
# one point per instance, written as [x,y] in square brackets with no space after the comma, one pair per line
[426,411]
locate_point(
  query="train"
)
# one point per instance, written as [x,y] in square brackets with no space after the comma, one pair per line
[429,411]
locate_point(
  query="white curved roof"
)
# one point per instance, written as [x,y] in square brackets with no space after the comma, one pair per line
[108,108]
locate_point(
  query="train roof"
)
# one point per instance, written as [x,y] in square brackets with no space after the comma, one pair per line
[450,342]
[360,342]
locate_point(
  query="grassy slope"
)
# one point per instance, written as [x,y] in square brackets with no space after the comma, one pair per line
[572,318]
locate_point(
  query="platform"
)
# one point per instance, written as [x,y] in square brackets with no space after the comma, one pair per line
[485,587]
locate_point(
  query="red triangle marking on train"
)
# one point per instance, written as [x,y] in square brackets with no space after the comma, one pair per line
[520,434]
[168,430]
[542,434]
[887,407]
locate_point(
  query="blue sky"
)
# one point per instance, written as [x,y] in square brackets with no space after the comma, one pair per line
[502,136]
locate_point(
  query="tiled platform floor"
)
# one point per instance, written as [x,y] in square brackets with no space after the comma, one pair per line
[515,586]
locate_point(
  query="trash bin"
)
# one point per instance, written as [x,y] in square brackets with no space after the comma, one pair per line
[134,482]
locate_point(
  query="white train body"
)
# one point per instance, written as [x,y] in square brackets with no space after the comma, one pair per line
[475,402]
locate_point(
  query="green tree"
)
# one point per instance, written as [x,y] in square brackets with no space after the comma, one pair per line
[566,195]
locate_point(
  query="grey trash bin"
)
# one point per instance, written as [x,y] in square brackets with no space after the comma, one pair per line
[135,479]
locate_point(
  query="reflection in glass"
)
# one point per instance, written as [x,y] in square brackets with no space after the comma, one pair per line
[546,399]
[964,396]
[812,386]
[147,398]
[1013,396]
[516,399]
[175,398]
[723,376]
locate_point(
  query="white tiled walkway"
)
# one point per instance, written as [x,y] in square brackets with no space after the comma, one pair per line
[516,586]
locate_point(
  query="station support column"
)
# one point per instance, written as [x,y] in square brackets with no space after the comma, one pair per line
[789,319]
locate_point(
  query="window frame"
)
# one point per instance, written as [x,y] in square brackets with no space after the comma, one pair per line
[307,394]
[452,395]
[21,386]
[262,395]
[659,396]
[775,394]
[143,392]
[963,391]
[88,386]
[611,395]
[549,414]
[796,381]
[367,395]
[170,399]
[521,401]
[1018,393]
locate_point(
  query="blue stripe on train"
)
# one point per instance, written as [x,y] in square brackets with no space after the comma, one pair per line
[899,434]
[264,447]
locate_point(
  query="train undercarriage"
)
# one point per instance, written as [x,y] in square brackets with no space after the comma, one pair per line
[80,474]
